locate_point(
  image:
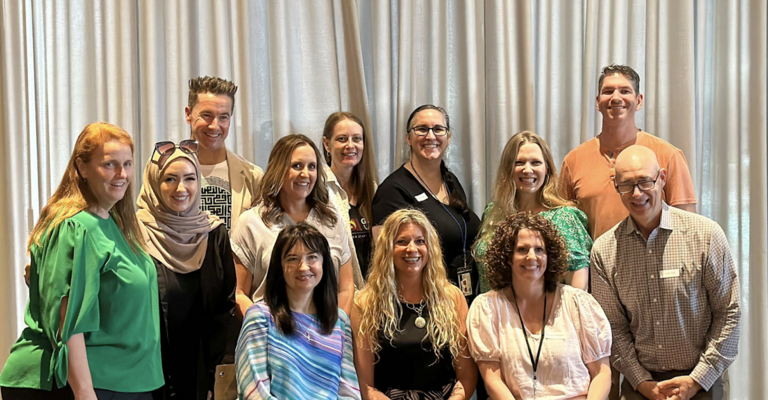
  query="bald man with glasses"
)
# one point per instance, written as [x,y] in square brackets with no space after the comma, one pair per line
[667,282]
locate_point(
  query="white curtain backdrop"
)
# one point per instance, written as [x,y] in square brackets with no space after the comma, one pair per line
[498,66]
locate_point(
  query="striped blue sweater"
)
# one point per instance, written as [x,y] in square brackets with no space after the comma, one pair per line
[306,365]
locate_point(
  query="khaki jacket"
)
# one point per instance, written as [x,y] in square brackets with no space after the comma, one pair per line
[245,182]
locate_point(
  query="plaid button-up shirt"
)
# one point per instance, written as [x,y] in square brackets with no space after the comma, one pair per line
[672,300]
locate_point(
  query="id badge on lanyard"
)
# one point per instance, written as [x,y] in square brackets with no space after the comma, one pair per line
[465,277]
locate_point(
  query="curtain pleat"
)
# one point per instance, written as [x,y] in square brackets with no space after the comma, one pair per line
[497,66]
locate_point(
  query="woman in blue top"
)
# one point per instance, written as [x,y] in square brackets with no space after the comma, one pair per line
[92,319]
[296,343]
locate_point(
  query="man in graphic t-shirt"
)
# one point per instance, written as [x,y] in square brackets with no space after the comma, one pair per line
[230,183]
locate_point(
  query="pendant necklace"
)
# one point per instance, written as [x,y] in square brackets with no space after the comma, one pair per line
[534,362]
[418,309]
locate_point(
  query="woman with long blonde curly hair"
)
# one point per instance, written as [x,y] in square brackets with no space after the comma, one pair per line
[409,321]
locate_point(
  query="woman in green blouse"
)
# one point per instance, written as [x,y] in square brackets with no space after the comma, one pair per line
[527,181]
[92,318]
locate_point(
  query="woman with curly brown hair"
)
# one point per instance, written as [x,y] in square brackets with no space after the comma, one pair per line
[409,321]
[531,336]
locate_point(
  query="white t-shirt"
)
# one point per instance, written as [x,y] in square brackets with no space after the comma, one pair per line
[252,242]
[216,193]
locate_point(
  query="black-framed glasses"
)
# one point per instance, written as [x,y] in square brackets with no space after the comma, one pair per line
[437,130]
[166,148]
[644,186]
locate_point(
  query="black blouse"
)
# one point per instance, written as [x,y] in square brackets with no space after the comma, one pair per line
[408,362]
[402,190]
[196,316]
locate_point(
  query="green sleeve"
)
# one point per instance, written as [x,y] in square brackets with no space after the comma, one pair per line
[572,225]
[480,248]
[68,266]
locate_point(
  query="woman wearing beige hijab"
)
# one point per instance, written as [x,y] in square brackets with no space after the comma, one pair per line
[195,270]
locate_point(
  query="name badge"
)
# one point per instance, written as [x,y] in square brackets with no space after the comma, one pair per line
[556,335]
[465,283]
[421,197]
[669,273]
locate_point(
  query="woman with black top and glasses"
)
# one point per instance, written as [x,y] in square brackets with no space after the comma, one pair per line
[195,270]
[425,183]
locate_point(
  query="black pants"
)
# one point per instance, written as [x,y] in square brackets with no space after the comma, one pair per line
[65,393]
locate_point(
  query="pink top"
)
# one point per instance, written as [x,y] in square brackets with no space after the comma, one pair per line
[577,333]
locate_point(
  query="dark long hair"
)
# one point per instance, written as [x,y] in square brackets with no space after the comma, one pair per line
[326,293]
[455,199]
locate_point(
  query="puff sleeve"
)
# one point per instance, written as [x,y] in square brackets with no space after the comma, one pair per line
[67,264]
[592,327]
[483,330]
[243,240]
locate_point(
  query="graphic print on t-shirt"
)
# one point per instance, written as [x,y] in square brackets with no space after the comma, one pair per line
[361,236]
[216,197]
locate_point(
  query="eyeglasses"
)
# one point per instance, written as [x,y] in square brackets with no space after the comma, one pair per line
[209,118]
[166,148]
[625,188]
[438,130]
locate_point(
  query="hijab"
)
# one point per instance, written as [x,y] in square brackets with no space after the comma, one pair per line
[177,239]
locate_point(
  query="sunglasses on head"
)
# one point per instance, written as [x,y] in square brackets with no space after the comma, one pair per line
[166,148]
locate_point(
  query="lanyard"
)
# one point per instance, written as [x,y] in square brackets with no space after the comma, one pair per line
[534,362]
[464,231]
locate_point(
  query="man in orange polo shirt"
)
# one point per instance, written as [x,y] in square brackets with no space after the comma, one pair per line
[587,171]
[587,174]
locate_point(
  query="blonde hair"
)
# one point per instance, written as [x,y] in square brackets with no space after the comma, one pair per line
[504,195]
[379,304]
[74,195]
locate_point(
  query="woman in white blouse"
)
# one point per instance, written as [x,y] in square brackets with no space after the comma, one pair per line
[293,190]
[531,336]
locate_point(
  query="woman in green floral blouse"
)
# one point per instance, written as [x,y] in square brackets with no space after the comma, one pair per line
[527,181]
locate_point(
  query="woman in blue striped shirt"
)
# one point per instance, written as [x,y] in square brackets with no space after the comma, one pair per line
[296,343]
